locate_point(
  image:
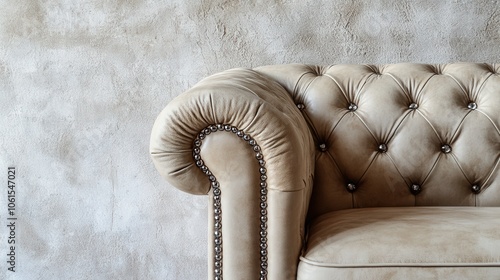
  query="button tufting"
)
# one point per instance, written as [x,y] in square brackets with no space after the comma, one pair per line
[413,106]
[322,147]
[382,148]
[352,107]
[301,106]
[472,105]
[415,189]
[446,148]
[351,187]
[476,189]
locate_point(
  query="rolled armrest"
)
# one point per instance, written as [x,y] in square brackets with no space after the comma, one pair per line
[244,99]
[248,105]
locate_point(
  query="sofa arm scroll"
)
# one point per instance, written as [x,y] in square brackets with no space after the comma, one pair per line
[247,104]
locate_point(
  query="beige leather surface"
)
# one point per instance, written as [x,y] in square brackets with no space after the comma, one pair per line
[309,272]
[379,130]
[264,110]
[390,238]
[413,137]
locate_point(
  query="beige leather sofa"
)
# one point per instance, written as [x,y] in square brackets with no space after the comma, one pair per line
[342,171]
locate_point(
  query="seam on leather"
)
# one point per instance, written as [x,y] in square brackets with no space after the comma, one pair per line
[397,127]
[407,94]
[460,167]
[459,126]
[356,94]
[492,122]
[492,171]
[397,169]
[333,265]
[432,169]
[482,84]
[298,81]
[366,126]
[459,85]
[338,85]
[368,167]
[430,124]
[335,126]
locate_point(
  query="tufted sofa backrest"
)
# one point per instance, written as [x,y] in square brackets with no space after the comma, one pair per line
[400,134]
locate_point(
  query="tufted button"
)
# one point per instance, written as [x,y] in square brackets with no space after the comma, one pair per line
[352,107]
[446,149]
[476,189]
[415,189]
[382,148]
[301,106]
[322,147]
[413,106]
[472,105]
[351,187]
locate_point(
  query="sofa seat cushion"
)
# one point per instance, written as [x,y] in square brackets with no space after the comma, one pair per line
[380,242]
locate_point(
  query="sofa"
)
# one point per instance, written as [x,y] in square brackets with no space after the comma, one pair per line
[342,171]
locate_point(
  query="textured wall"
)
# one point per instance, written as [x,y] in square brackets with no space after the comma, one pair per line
[81,83]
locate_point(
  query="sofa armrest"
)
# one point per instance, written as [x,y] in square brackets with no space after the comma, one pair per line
[215,122]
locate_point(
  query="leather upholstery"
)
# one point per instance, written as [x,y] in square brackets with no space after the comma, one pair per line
[414,137]
[333,137]
[341,242]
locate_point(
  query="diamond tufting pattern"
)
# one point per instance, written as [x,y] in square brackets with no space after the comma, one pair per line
[402,134]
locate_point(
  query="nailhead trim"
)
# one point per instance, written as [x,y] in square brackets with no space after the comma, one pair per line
[217,196]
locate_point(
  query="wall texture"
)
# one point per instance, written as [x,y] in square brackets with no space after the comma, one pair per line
[81,83]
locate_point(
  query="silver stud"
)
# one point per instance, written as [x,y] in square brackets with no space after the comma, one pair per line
[472,105]
[352,107]
[217,196]
[413,106]
[351,187]
[382,148]
[476,189]
[301,106]
[322,147]
[446,149]
[415,189]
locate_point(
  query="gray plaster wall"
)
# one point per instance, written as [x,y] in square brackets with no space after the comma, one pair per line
[81,83]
